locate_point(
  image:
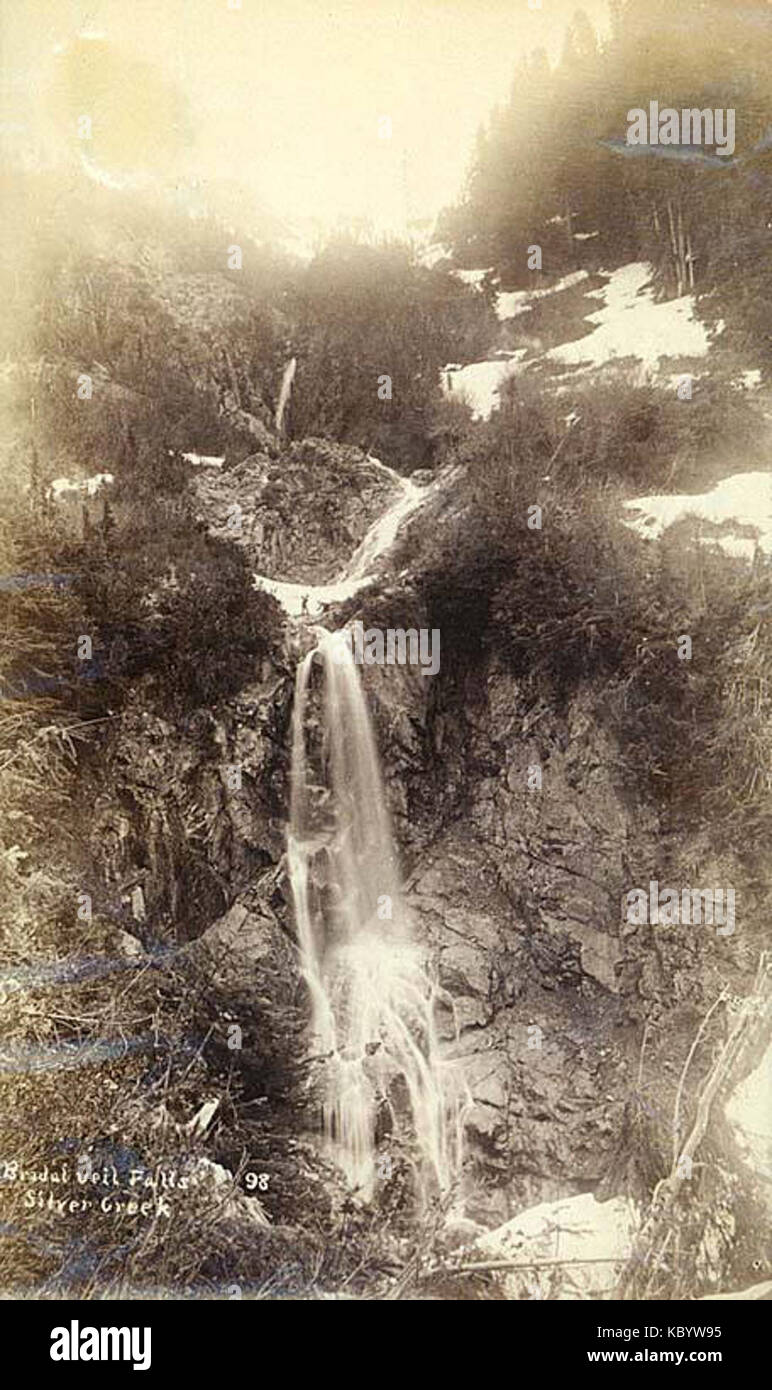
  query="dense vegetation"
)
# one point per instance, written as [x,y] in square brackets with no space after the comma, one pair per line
[186,353]
[374,329]
[551,168]
[569,596]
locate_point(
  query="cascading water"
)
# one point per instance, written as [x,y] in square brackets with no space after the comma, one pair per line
[372,999]
[288,377]
[300,599]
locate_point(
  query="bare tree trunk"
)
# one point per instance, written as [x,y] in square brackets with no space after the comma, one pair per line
[674,247]
[681,249]
[232,377]
[690,260]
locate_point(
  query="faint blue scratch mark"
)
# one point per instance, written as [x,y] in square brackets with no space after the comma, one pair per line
[73,970]
[15,582]
[683,154]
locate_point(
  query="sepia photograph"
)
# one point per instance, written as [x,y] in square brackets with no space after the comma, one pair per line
[386,662]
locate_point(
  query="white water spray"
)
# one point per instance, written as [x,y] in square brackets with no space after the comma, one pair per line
[300,600]
[372,999]
[284,394]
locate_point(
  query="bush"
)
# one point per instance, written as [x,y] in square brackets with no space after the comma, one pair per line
[613,429]
[582,600]
[169,602]
[364,313]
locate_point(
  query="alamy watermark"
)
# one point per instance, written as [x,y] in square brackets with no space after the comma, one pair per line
[76,1343]
[393,647]
[690,906]
[712,127]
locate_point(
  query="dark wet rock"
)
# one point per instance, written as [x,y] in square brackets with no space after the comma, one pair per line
[545,1079]
[185,816]
[248,944]
[300,515]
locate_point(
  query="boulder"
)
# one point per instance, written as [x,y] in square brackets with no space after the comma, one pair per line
[576,1248]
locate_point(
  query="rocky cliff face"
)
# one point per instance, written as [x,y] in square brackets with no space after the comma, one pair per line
[520,834]
[192,815]
[516,890]
[298,512]
[523,831]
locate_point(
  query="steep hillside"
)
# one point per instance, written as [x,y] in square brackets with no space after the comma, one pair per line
[596,726]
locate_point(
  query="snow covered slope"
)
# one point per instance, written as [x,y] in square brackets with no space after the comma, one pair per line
[628,325]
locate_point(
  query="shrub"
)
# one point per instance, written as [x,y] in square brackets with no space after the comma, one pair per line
[367,312]
[583,600]
[178,606]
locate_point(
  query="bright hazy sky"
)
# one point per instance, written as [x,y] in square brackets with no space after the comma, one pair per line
[286,95]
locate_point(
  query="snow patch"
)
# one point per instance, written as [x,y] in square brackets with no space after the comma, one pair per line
[471,277]
[513,302]
[748,1112]
[750,380]
[479,383]
[595,1239]
[743,498]
[432,255]
[631,325]
[205,460]
[64,487]
[628,325]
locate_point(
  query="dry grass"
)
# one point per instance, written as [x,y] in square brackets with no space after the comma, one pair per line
[665,1261]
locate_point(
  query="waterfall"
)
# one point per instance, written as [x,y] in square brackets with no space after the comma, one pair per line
[372,998]
[284,394]
[303,599]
